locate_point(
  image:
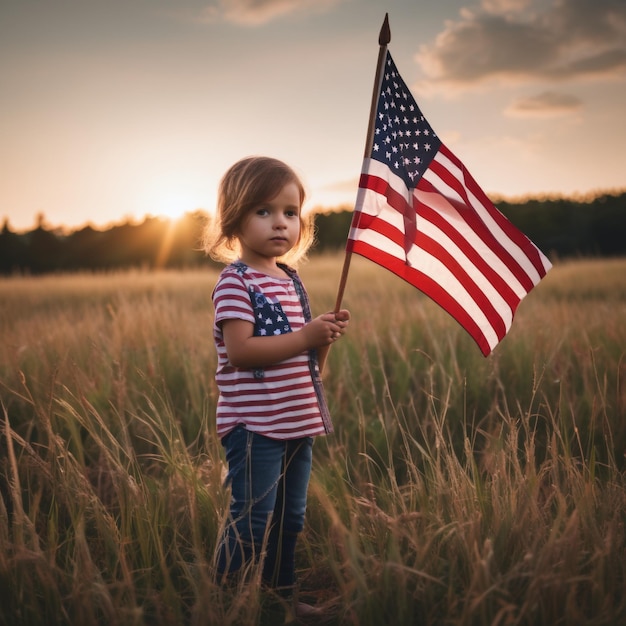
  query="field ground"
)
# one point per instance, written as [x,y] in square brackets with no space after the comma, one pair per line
[456,490]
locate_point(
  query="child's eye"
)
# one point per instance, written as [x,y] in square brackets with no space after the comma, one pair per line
[262,211]
[291,213]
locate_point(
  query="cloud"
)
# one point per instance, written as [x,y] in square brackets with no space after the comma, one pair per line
[256,12]
[505,6]
[546,104]
[507,39]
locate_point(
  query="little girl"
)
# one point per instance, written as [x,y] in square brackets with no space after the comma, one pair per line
[270,354]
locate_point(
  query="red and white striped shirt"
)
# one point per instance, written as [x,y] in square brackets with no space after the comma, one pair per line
[280,400]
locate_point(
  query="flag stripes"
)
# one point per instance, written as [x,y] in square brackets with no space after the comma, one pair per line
[450,178]
[454,257]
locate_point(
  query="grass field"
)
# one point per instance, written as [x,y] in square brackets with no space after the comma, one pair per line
[456,490]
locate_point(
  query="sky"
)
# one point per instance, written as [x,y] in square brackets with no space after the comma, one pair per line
[111,110]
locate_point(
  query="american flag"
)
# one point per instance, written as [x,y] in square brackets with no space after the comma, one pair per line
[420,214]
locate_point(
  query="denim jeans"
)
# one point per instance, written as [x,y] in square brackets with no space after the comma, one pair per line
[269,480]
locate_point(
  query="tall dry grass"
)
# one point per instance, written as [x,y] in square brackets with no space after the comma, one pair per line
[456,490]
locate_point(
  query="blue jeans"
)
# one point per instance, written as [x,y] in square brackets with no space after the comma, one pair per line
[269,480]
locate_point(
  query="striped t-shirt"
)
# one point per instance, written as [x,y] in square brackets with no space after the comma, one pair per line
[278,401]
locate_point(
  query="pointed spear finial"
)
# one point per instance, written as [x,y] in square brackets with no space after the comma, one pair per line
[385,33]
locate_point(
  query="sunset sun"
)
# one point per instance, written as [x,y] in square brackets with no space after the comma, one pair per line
[171,199]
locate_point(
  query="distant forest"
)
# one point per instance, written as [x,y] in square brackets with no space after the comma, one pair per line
[561,228]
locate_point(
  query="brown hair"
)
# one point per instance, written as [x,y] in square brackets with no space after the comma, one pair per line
[245,185]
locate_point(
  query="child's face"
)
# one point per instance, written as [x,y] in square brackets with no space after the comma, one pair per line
[272,228]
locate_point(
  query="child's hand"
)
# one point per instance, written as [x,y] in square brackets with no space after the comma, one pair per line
[325,329]
[342,319]
[336,323]
[343,316]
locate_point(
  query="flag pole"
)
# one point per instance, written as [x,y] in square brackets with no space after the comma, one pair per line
[383,39]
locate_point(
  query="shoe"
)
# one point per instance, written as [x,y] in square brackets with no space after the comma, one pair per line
[309,614]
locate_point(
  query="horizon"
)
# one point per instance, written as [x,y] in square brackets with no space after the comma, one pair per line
[138,220]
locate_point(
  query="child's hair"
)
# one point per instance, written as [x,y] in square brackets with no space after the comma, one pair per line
[247,184]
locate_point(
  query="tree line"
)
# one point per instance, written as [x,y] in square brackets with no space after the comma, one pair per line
[560,227]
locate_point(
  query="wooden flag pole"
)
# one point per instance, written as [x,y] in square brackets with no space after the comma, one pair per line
[383,39]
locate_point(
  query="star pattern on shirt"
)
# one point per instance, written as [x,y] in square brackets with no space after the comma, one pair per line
[403,139]
[272,325]
[271,319]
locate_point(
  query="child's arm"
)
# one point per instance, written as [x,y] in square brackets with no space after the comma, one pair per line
[246,350]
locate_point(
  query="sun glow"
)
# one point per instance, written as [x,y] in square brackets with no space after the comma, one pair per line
[172,199]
